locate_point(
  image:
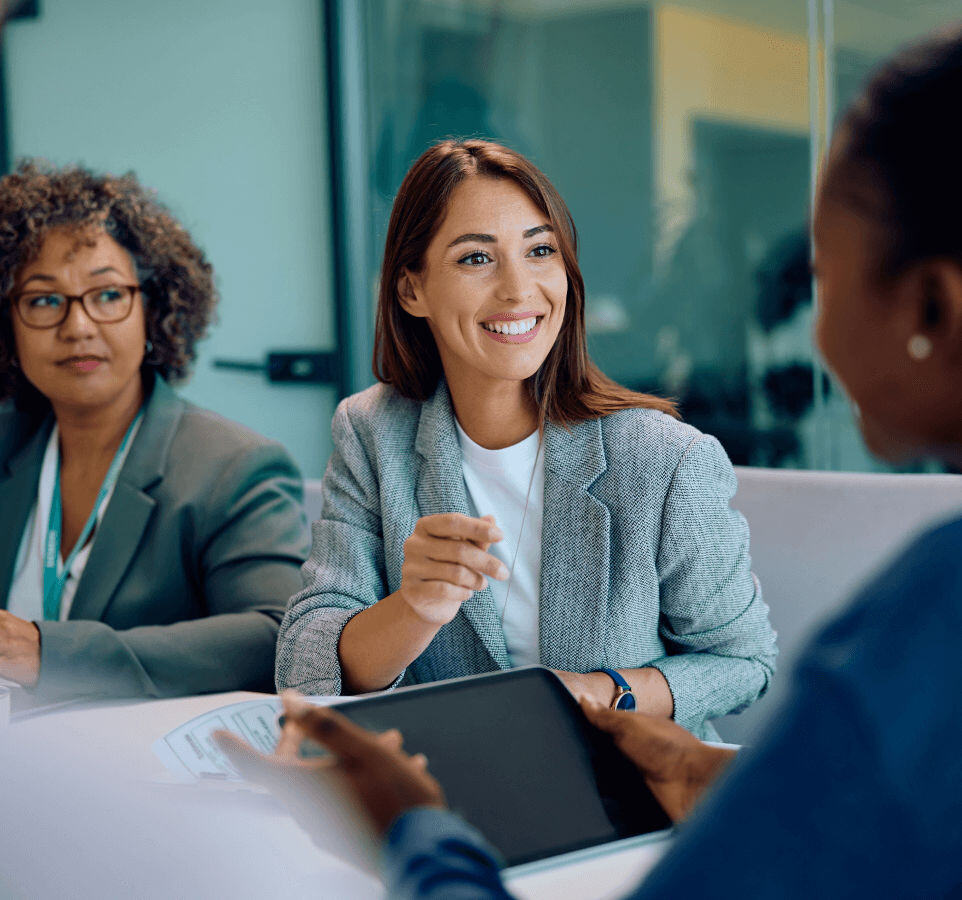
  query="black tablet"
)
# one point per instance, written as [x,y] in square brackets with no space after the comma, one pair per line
[519,761]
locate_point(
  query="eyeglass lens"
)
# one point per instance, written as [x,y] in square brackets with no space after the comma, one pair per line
[103,304]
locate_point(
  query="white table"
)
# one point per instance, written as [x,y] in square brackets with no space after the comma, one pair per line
[88,810]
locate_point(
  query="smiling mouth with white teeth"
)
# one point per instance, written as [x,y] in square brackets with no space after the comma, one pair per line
[518,326]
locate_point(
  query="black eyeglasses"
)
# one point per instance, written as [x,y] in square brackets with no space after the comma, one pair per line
[108,304]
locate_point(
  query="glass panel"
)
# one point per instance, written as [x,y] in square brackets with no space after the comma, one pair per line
[860,34]
[682,137]
[730,296]
[685,166]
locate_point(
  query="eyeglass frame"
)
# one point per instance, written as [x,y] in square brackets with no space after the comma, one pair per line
[134,289]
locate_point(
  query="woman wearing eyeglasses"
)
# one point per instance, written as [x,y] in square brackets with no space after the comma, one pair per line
[148,546]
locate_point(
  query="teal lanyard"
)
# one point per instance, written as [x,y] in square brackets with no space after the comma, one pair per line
[53,582]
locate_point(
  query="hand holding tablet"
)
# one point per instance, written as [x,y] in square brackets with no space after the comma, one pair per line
[345,801]
[677,766]
[510,751]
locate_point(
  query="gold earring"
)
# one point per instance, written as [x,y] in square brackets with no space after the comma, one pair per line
[919,347]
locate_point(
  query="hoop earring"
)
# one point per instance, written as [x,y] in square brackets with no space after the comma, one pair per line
[148,347]
[919,347]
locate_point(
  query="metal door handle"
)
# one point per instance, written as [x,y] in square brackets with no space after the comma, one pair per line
[296,366]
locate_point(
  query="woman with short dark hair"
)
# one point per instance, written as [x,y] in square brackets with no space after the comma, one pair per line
[148,544]
[497,500]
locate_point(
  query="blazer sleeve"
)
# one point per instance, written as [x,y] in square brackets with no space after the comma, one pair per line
[714,623]
[252,538]
[344,573]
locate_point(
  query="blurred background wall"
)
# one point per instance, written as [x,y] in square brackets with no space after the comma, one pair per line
[684,137]
[221,107]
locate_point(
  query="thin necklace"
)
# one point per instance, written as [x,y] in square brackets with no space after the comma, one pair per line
[524,515]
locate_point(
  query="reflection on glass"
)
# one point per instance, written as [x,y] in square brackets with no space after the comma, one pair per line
[679,135]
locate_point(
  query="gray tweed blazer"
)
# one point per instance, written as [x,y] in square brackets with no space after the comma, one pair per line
[644,563]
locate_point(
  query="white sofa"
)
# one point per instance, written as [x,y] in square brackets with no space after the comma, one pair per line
[815,537]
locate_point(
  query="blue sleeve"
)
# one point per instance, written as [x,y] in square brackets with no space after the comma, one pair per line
[433,853]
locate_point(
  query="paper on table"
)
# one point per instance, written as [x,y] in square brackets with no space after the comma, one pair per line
[189,751]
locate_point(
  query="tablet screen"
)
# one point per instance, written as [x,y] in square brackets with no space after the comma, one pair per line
[518,760]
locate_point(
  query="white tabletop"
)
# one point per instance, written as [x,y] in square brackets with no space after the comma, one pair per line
[90,811]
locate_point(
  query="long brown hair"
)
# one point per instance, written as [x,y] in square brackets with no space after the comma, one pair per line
[568,387]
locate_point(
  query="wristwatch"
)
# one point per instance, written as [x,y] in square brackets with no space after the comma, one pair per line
[624,698]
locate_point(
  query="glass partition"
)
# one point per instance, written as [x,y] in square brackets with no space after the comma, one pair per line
[684,137]
[858,35]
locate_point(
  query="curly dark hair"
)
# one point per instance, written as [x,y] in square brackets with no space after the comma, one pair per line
[177,281]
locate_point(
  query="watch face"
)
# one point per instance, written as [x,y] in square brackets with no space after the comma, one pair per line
[626,701]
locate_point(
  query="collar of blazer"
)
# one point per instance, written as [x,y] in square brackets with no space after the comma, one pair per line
[575,538]
[127,514]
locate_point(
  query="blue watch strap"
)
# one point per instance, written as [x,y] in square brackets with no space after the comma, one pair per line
[624,699]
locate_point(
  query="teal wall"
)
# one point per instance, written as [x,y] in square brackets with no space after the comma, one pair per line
[220,106]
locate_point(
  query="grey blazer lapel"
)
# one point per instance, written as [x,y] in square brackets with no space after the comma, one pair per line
[18,492]
[130,507]
[440,489]
[575,548]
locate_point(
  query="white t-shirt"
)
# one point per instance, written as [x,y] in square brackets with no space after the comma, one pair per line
[498,484]
[26,590]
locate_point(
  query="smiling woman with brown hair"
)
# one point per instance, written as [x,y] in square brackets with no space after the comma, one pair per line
[856,788]
[148,544]
[497,500]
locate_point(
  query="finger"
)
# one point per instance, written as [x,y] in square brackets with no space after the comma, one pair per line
[420,762]
[484,545]
[338,734]
[464,528]
[248,761]
[611,720]
[293,701]
[453,573]
[289,743]
[466,554]
[391,740]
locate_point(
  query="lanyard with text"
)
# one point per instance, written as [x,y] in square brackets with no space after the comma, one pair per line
[53,582]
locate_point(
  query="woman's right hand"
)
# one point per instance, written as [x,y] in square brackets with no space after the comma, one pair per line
[445,562]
